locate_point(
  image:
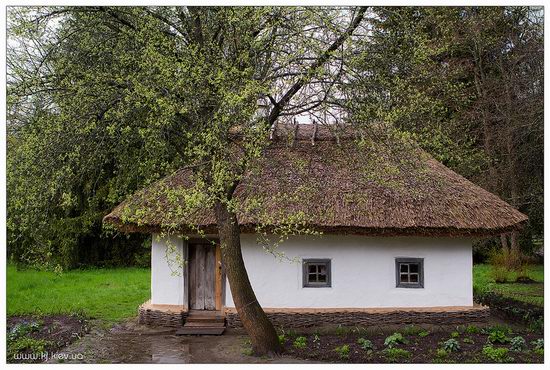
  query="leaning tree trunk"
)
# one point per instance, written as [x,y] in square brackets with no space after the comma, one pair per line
[262,333]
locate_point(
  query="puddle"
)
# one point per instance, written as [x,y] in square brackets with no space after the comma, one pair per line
[129,343]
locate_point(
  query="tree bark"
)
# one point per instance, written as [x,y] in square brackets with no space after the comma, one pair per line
[504,242]
[256,323]
[514,246]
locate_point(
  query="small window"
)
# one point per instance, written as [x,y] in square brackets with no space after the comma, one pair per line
[409,272]
[316,273]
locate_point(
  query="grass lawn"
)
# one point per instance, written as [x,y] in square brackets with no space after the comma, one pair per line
[530,293]
[107,294]
[114,294]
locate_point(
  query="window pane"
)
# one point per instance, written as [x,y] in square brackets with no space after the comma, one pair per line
[316,273]
[404,267]
[404,278]
[413,267]
[413,278]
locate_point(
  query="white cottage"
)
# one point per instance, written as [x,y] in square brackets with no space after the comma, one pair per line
[393,244]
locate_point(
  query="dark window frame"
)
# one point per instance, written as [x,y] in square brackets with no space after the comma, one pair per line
[305,274]
[409,260]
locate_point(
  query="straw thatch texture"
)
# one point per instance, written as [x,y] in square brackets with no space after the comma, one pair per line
[335,186]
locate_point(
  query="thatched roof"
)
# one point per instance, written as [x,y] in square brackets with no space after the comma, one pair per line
[336,186]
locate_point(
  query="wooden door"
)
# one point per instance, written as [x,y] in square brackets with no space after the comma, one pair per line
[202,279]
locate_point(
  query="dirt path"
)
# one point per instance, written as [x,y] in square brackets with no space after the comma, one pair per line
[132,343]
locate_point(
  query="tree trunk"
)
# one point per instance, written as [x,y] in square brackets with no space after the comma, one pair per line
[514,246]
[504,242]
[262,333]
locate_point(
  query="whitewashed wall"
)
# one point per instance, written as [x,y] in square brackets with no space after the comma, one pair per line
[363,272]
[167,270]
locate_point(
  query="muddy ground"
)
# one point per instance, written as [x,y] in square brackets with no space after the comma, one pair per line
[74,340]
[33,339]
[421,346]
[132,343]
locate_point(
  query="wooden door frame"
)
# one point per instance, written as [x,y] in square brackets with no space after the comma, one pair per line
[219,279]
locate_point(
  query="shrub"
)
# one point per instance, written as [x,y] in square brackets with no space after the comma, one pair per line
[498,336]
[23,328]
[507,260]
[365,344]
[423,333]
[499,274]
[248,351]
[340,330]
[455,334]
[394,339]
[282,339]
[472,329]
[497,354]
[517,344]
[343,351]
[536,324]
[24,344]
[468,340]
[451,345]
[395,354]
[538,344]
[441,353]
[316,338]
[411,330]
[300,342]
[539,352]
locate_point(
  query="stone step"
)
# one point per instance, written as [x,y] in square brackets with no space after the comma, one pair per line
[198,324]
[200,330]
[204,319]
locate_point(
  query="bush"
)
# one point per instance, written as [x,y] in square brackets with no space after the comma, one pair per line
[499,274]
[507,259]
[300,342]
[282,339]
[538,344]
[316,339]
[340,330]
[451,345]
[343,351]
[26,344]
[396,354]
[23,328]
[455,334]
[394,339]
[517,344]
[365,344]
[497,354]
[468,340]
[412,330]
[423,333]
[498,335]
[472,329]
[441,353]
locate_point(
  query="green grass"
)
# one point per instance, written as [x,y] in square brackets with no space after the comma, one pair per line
[529,293]
[114,294]
[106,294]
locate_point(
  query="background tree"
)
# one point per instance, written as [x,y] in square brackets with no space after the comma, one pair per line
[131,88]
[467,83]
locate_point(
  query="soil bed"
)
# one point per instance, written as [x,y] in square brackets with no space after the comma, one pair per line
[421,349]
[35,339]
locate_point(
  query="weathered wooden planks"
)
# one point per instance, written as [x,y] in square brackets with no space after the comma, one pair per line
[202,280]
